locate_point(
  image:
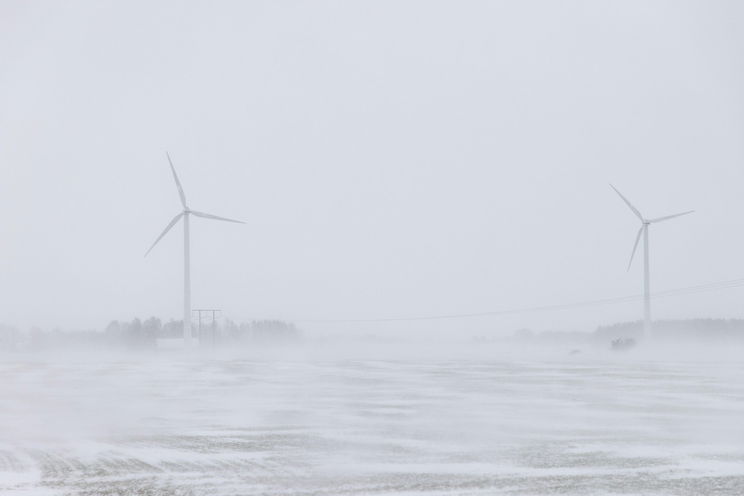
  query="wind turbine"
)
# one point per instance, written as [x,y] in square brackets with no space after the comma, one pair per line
[645,223]
[185,213]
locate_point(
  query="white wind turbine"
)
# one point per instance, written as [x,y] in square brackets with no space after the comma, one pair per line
[186,256]
[646,273]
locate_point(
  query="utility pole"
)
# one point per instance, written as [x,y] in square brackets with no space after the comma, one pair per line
[214,312]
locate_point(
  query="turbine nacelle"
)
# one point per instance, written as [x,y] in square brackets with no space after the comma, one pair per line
[644,222]
[186,210]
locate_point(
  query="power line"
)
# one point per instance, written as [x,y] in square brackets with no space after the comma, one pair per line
[700,288]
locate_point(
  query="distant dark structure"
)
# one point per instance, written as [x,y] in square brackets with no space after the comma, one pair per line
[622,344]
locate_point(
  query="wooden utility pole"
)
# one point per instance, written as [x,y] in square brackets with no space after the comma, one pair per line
[214,312]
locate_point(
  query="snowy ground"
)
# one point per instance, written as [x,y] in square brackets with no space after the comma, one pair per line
[169,425]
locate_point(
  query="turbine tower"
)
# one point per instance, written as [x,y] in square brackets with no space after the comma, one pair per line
[185,213]
[645,223]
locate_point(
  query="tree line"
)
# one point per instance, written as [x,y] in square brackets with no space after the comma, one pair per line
[140,334]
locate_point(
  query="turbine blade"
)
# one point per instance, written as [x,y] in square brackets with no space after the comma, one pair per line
[210,216]
[635,210]
[667,217]
[178,183]
[635,246]
[165,231]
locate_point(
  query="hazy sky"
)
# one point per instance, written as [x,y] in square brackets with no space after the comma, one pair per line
[389,157]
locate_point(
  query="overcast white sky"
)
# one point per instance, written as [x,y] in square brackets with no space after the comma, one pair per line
[389,157]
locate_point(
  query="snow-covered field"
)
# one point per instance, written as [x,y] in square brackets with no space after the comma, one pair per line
[173,425]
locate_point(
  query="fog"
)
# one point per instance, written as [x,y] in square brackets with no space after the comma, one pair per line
[430,291]
[389,158]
